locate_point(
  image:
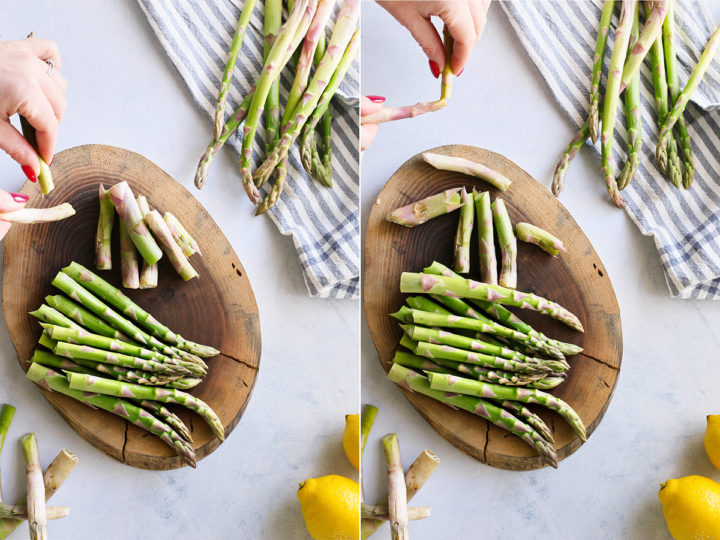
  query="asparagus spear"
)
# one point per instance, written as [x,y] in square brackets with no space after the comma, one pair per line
[612,93]
[505,316]
[508,245]
[674,88]
[129,268]
[160,229]
[601,42]
[419,363]
[170,418]
[546,383]
[6,415]
[423,303]
[48,359]
[486,238]
[85,318]
[533,234]
[130,214]
[116,298]
[469,167]
[52,316]
[397,490]
[368,511]
[271,26]
[38,215]
[89,383]
[650,32]
[103,236]
[529,417]
[182,238]
[390,114]
[467,288]
[464,232]
[417,474]
[426,209]
[19,511]
[37,514]
[447,73]
[367,419]
[632,114]
[235,47]
[451,383]
[148,272]
[411,380]
[570,152]
[45,179]
[53,381]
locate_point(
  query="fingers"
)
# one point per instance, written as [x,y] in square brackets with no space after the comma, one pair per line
[479,11]
[368,132]
[370,104]
[40,114]
[15,145]
[459,21]
[44,49]
[8,203]
[54,90]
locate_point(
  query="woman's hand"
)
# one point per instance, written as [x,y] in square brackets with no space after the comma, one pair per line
[31,87]
[8,203]
[464,19]
[369,105]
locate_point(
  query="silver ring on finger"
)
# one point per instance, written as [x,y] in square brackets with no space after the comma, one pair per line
[51,67]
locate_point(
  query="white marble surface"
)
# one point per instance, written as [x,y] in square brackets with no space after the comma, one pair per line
[654,426]
[123,91]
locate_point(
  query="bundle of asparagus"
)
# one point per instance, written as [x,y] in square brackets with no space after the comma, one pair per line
[631,47]
[308,101]
[141,230]
[125,362]
[40,487]
[401,486]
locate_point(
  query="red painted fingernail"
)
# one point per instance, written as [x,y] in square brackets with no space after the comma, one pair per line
[53,158]
[435,69]
[461,72]
[28,170]
[376,99]
[19,197]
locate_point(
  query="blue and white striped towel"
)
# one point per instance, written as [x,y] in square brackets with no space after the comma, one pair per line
[324,223]
[560,39]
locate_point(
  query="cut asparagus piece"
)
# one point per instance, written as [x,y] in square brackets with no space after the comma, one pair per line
[38,215]
[6,415]
[451,383]
[381,512]
[148,272]
[469,167]
[397,490]
[127,208]
[129,267]
[367,419]
[600,44]
[54,381]
[464,232]
[508,245]
[467,288]
[426,209]
[486,239]
[182,237]
[89,383]
[447,72]
[103,236]
[45,179]
[390,114]
[533,234]
[19,511]
[37,514]
[160,229]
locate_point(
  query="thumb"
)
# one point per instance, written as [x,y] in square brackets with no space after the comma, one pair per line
[17,147]
[8,203]
[370,104]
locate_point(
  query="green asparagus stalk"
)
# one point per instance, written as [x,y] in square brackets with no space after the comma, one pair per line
[674,88]
[469,167]
[235,47]
[423,303]
[533,234]
[103,236]
[52,316]
[467,288]
[48,359]
[116,298]
[529,417]
[38,215]
[632,113]
[130,214]
[651,30]
[367,419]
[684,97]
[176,256]
[6,415]
[450,383]
[486,238]
[570,152]
[464,232]
[447,72]
[411,380]
[612,94]
[181,236]
[397,490]
[53,381]
[184,383]
[601,42]
[45,179]
[148,278]
[81,317]
[89,383]
[547,383]
[129,267]
[508,245]
[19,511]
[165,415]
[37,514]
[426,209]
[271,26]
[419,363]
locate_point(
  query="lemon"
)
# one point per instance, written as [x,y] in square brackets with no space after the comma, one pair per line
[351,438]
[712,439]
[692,507]
[331,507]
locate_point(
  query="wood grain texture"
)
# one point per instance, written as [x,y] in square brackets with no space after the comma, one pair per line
[216,309]
[577,280]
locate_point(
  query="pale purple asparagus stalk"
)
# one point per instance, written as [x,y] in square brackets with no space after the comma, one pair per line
[508,245]
[368,511]
[427,208]
[464,232]
[397,489]
[130,214]
[37,515]
[172,250]
[129,268]
[182,237]
[390,114]
[447,73]
[540,237]
[148,272]
[103,236]
[38,215]
[650,32]
[469,167]
[486,239]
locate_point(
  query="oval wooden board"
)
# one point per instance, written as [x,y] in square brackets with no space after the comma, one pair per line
[576,279]
[216,309]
